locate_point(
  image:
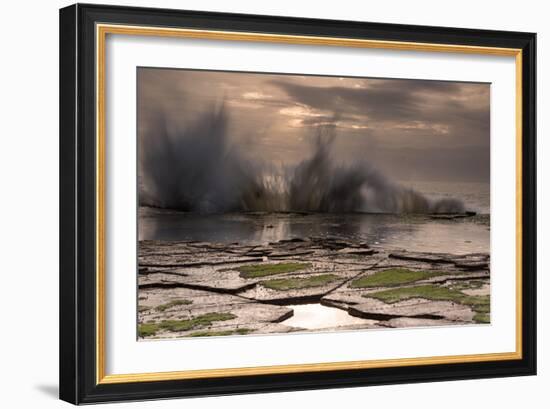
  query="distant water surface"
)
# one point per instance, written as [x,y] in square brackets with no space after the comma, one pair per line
[412,232]
[474,195]
[415,233]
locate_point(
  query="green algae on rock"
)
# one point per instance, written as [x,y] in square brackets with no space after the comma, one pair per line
[263,270]
[205,320]
[298,283]
[173,303]
[238,331]
[147,329]
[479,304]
[482,318]
[393,277]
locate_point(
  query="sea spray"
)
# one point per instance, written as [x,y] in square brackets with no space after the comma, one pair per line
[196,169]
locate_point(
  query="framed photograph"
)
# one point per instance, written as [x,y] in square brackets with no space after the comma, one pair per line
[257,203]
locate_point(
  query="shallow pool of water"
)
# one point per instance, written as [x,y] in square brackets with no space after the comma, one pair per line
[317,316]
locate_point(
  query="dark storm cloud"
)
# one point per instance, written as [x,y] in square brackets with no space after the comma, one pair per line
[383,102]
[429,129]
[395,101]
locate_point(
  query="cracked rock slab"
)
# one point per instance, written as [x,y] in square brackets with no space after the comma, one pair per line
[343,298]
[417,256]
[192,261]
[236,312]
[415,308]
[262,293]
[187,279]
[368,324]
[407,322]
[225,330]
[151,298]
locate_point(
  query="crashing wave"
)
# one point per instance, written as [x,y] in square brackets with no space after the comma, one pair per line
[196,169]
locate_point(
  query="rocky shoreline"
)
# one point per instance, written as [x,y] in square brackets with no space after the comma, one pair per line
[191,288]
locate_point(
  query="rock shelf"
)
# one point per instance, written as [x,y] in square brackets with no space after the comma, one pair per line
[196,289]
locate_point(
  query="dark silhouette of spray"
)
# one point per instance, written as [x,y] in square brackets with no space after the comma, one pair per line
[195,169]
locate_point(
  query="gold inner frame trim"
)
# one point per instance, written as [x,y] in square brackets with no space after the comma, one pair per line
[101,33]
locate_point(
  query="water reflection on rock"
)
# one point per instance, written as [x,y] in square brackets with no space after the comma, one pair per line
[412,232]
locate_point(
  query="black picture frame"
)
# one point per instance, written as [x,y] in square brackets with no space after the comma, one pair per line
[78,236]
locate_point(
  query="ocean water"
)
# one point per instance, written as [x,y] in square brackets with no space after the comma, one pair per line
[415,233]
[411,232]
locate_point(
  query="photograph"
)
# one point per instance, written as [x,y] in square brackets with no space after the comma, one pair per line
[259,202]
[277,203]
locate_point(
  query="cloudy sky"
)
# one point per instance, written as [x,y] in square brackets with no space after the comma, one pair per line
[411,130]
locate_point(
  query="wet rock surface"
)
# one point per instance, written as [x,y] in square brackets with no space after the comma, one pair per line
[195,289]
